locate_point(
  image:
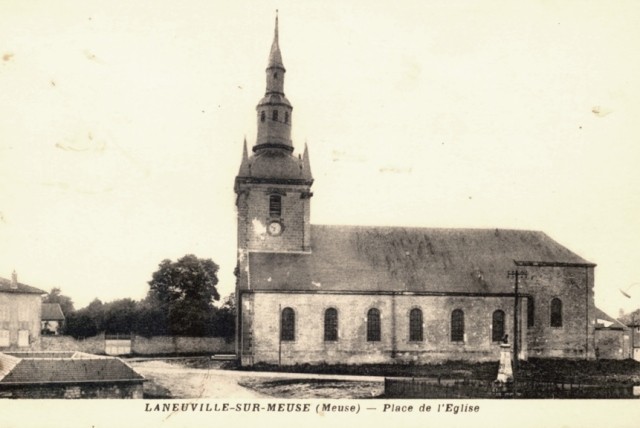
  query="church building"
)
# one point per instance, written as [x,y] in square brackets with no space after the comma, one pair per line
[349,294]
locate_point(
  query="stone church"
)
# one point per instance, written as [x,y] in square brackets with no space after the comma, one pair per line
[348,294]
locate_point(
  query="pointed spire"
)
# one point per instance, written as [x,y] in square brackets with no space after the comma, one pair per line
[275,58]
[306,164]
[245,168]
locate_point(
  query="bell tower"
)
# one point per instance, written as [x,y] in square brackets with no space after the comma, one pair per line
[273,186]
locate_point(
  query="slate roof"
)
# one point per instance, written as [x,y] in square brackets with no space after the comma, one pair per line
[393,259]
[605,321]
[52,312]
[5,287]
[63,367]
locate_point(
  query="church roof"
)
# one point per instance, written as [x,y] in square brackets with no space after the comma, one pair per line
[399,259]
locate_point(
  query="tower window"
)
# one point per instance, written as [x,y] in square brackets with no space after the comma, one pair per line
[331,325]
[556,313]
[287,325]
[275,205]
[286,117]
[373,325]
[262,116]
[275,75]
[457,326]
[275,115]
[497,326]
[415,325]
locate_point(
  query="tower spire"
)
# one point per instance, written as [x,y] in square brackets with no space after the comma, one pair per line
[275,57]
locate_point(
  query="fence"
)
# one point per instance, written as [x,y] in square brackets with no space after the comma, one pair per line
[526,388]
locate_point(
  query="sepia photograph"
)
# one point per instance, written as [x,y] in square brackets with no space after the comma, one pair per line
[319,213]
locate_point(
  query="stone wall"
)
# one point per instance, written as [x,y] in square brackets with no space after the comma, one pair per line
[253,218]
[574,287]
[612,344]
[85,390]
[141,345]
[261,327]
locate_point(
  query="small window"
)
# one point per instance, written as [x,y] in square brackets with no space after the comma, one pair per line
[373,325]
[530,312]
[415,325]
[275,115]
[275,75]
[286,117]
[287,325]
[556,312]
[457,326]
[262,116]
[330,325]
[497,326]
[275,205]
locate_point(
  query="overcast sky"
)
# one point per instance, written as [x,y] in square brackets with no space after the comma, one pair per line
[121,127]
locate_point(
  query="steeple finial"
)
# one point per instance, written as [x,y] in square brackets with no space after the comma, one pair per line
[275,58]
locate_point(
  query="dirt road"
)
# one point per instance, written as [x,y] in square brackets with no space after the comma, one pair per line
[186,382]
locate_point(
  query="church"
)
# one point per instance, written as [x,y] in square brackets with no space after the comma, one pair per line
[353,295]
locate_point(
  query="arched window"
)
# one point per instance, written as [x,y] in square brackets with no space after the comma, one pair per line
[275,115]
[262,116]
[331,325]
[457,326]
[373,325]
[556,312]
[275,205]
[286,117]
[287,325]
[415,325]
[497,326]
[530,312]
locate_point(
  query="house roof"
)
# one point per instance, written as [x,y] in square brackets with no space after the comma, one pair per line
[394,259]
[5,287]
[604,320]
[63,367]
[52,312]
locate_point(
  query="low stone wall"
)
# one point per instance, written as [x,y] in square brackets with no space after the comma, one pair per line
[86,390]
[90,345]
[180,345]
[142,345]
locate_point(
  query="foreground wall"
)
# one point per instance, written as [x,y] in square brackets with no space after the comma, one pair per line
[85,390]
[260,338]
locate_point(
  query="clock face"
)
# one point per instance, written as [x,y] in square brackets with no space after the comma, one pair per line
[274,228]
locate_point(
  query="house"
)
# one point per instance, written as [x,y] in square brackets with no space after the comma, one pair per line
[612,338]
[52,318]
[67,375]
[20,312]
[349,294]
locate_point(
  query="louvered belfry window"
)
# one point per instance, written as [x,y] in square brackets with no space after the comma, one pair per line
[275,205]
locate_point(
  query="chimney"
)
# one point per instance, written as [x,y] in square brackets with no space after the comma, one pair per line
[14,280]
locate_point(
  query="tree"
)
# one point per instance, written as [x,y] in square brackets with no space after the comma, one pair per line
[224,318]
[120,316]
[80,325]
[185,291]
[56,296]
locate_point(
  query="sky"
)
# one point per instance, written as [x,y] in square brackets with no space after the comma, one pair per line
[121,128]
